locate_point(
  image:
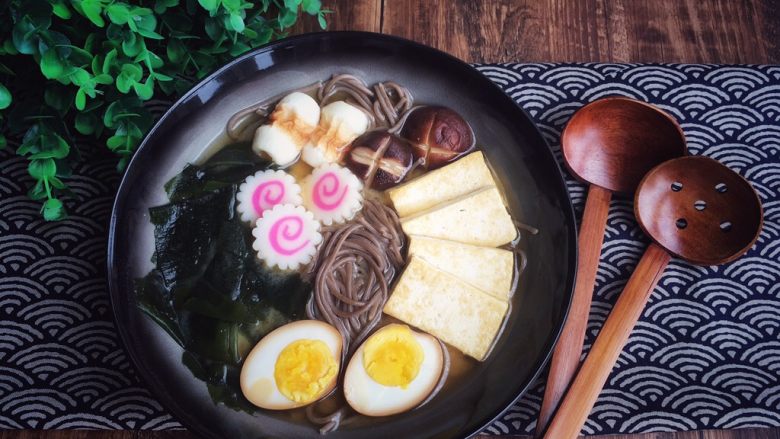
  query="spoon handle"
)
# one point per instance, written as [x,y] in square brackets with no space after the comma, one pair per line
[587,385]
[568,350]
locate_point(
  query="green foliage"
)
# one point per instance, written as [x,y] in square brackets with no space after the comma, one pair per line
[100,60]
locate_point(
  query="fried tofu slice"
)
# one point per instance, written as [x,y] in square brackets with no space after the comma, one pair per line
[465,175]
[477,218]
[444,306]
[489,269]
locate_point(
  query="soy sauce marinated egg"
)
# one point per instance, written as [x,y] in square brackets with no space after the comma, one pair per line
[292,366]
[393,371]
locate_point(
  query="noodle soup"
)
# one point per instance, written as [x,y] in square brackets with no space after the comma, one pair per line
[344,254]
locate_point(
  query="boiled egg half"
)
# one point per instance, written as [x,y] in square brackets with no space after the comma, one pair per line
[393,371]
[292,366]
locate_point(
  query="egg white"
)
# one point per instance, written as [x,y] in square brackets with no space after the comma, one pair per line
[261,361]
[370,398]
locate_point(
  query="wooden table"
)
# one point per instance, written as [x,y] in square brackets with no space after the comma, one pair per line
[710,31]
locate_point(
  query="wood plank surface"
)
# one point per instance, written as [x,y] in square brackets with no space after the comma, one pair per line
[711,31]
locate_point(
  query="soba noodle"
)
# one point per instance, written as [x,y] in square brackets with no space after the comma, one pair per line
[353,270]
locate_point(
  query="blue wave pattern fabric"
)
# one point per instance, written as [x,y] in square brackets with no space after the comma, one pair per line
[706,353]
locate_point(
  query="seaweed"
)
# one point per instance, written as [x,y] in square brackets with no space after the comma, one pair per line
[208,290]
[230,165]
[184,234]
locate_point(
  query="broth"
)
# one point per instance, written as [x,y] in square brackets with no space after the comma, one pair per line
[461,366]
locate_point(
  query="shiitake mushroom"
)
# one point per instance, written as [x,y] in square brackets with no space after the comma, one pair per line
[379,158]
[438,135]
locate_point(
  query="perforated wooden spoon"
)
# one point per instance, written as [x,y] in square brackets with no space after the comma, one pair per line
[692,207]
[610,144]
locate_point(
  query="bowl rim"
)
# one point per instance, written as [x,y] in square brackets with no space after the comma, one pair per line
[112,275]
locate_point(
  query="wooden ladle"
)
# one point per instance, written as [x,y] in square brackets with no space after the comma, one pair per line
[610,143]
[692,207]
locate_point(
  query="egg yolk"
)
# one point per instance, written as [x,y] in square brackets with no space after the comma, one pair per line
[393,356]
[304,369]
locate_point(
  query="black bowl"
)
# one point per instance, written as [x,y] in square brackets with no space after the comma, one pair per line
[524,163]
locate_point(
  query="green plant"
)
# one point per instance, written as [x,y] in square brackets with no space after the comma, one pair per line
[97,61]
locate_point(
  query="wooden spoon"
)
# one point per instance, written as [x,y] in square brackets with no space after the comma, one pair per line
[692,207]
[610,144]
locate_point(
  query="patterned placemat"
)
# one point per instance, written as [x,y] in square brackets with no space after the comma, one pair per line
[706,353]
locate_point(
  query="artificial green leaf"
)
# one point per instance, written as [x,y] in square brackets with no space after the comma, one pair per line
[51,65]
[292,5]
[104,79]
[311,7]
[176,50]
[5,97]
[109,60]
[154,61]
[161,77]
[239,48]
[149,34]
[213,28]
[232,5]
[60,42]
[38,191]
[92,9]
[132,45]
[118,13]
[53,210]
[122,163]
[321,21]
[236,22]
[58,98]
[264,36]
[43,168]
[144,90]
[8,47]
[209,5]
[146,24]
[86,123]
[56,183]
[24,37]
[60,9]
[115,142]
[3,141]
[250,33]
[287,18]
[55,147]
[81,99]
[124,83]
[160,6]
[80,76]
[30,140]
[27,147]
[38,12]
[128,75]
[110,115]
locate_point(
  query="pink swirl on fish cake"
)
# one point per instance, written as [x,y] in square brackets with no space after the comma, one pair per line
[285,232]
[263,190]
[286,236]
[329,192]
[267,195]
